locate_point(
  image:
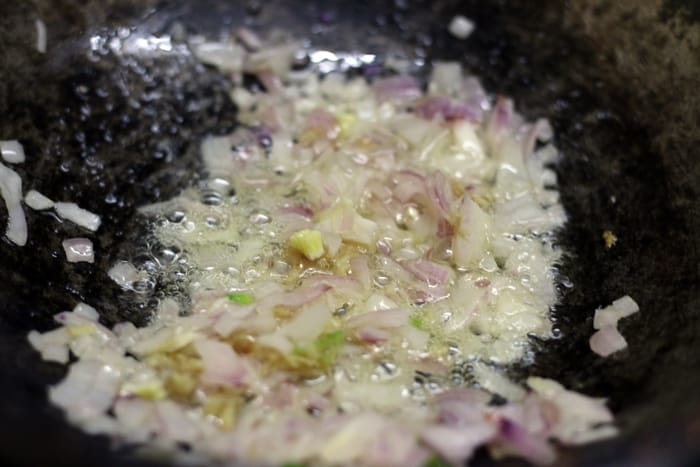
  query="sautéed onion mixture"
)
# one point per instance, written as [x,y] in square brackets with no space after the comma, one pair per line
[366,258]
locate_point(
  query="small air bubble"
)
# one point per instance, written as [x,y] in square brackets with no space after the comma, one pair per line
[381,279]
[259,217]
[168,255]
[176,217]
[213,221]
[211,198]
[143,286]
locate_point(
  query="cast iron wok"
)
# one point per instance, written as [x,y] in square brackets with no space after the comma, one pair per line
[618,80]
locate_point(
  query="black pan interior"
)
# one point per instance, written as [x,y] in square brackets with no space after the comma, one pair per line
[618,80]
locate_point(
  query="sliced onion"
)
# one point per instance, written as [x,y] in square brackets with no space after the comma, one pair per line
[226,56]
[397,89]
[78,215]
[446,108]
[249,39]
[610,315]
[53,345]
[37,201]
[373,335]
[382,319]
[580,417]
[461,407]
[516,440]
[360,271]
[472,234]
[541,131]
[12,151]
[308,323]
[409,184]
[137,417]
[86,311]
[440,193]
[321,121]
[87,391]
[607,340]
[429,271]
[175,423]
[11,191]
[457,445]
[295,298]
[79,250]
[222,366]
[125,274]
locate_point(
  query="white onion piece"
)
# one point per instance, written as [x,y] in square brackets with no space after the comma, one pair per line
[360,271]
[86,311]
[40,35]
[12,151]
[457,444]
[469,242]
[79,250]
[446,77]
[522,441]
[88,390]
[383,319]
[37,201]
[308,322]
[11,190]
[607,340]
[222,366]
[495,382]
[249,39]
[137,418]
[175,423]
[348,444]
[461,27]
[226,56]
[78,215]
[580,417]
[610,315]
[125,274]
[53,345]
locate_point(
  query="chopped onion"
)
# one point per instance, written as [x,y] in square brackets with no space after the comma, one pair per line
[579,417]
[295,298]
[461,27]
[12,151]
[517,440]
[125,274]
[226,56]
[383,241]
[457,444]
[53,345]
[88,390]
[221,364]
[397,89]
[383,319]
[86,311]
[249,39]
[79,250]
[607,340]
[37,201]
[78,215]
[11,191]
[610,315]
[429,271]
